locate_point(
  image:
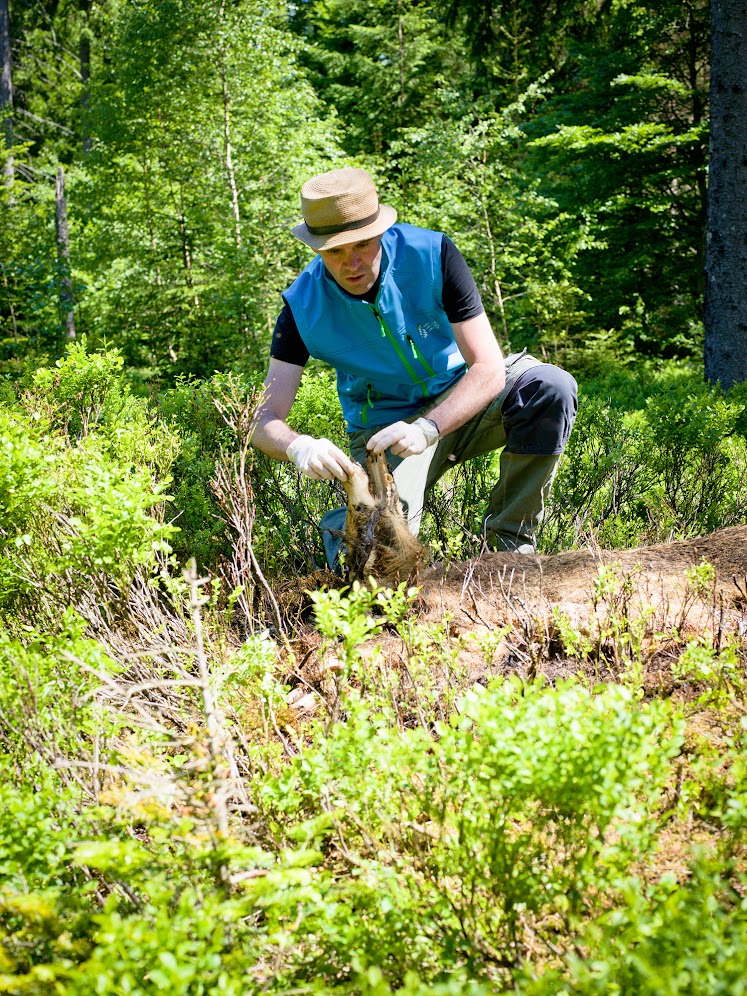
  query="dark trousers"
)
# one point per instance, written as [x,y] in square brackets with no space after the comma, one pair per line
[530,421]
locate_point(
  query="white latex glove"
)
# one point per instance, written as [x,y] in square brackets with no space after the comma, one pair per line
[405,438]
[319,459]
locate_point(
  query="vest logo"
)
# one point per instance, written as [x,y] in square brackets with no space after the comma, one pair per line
[427,327]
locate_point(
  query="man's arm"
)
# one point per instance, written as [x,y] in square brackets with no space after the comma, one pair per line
[319,459]
[480,385]
[483,381]
[271,433]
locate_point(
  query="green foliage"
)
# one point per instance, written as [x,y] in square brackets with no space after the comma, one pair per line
[479,826]
[380,64]
[82,473]
[731,809]
[118,915]
[45,908]
[286,508]
[625,129]
[450,811]
[48,706]
[720,670]
[349,614]
[190,411]
[30,324]
[317,409]
[466,176]
[647,461]
[394,852]
[660,943]
[187,275]
[581,212]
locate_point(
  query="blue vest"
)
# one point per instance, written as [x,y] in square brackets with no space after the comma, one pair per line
[390,356]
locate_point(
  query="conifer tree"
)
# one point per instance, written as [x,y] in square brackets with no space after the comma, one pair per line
[726,252]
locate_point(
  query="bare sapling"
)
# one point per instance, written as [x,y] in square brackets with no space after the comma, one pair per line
[216,735]
[234,493]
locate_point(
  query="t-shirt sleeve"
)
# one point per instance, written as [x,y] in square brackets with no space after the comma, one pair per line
[461,298]
[287,344]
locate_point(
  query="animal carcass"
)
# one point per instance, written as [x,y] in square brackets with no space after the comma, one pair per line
[378,540]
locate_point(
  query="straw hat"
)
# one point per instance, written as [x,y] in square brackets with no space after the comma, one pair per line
[339,207]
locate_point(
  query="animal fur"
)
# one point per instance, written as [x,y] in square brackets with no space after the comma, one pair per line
[379,541]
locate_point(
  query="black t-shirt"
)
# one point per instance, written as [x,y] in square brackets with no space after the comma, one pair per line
[460,296]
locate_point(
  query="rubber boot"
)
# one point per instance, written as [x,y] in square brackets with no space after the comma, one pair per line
[517,501]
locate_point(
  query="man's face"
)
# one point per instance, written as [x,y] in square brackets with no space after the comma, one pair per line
[354,266]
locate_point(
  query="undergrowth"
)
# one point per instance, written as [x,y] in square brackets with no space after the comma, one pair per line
[203,792]
[654,456]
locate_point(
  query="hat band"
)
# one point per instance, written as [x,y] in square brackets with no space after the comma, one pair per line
[349,227]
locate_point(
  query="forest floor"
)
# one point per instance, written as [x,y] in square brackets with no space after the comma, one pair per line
[543,604]
[621,616]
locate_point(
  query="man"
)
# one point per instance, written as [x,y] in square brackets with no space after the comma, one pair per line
[420,375]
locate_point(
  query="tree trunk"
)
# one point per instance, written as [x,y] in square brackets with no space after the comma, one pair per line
[228,153]
[63,255]
[726,239]
[149,217]
[84,52]
[6,88]
[401,40]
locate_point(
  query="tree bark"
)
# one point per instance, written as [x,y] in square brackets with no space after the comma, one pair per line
[228,158]
[401,40]
[149,217]
[6,88]
[726,237]
[63,255]
[84,52]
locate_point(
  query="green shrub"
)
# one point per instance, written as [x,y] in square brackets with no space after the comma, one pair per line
[506,848]
[286,507]
[86,394]
[45,905]
[87,908]
[316,410]
[76,520]
[669,939]
[83,477]
[518,814]
[647,462]
[190,412]
[690,443]
[51,717]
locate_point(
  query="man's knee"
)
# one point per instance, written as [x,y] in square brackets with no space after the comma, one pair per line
[539,412]
[544,386]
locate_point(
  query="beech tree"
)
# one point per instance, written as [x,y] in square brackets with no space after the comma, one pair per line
[6,86]
[726,244]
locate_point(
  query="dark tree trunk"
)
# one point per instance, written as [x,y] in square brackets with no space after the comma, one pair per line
[63,255]
[726,240]
[6,86]
[84,52]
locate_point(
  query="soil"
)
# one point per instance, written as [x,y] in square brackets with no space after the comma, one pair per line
[527,594]
[489,590]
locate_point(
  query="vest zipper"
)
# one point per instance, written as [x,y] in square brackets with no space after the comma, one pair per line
[368,403]
[385,333]
[419,356]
